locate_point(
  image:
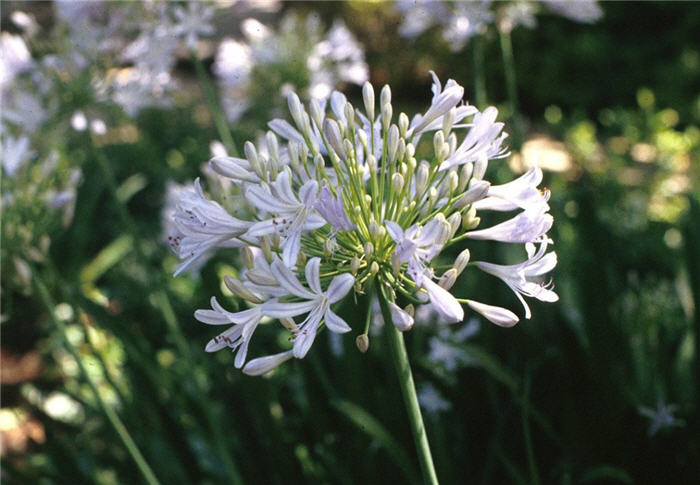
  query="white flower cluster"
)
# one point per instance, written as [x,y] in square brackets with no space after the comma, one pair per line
[460,21]
[296,57]
[345,204]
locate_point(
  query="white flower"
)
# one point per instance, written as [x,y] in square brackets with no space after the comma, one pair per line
[293,214]
[238,336]
[317,302]
[192,22]
[15,58]
[518,276]
[521,192]
[528,226]
[432,400]
[333,210]
[662,417]
[15,153]
[484,141]
[204,225]
[584,11]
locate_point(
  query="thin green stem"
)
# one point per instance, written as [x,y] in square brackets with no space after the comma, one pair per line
[214,106]
[408,391]
[109,413]
[511,85]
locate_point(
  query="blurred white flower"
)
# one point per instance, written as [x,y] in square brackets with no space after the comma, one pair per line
[431,399]
[193,22]
[661,417]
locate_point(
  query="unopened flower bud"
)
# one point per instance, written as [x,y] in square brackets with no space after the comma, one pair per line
[410,150]
[438,141]
[385,96]
[368,249]
[332,132]
[403,124]
[470,220]
[387,113]
[362,343]
[478,190]
[248,257]
[349,149]
[397,182]
[266,248]
[372,163]
[238,289]
[465,174]
[363,138]
[401,152]
[395,264]
[374,268]
[452,180]
[319,162]
[355,265]
[448,278]
[272,146]
[350,115]
[368,98]
[392,142]
[461,262]
[422,177]
[452,142]
[455,221]
[410,310]
[373,228]
[301,260]
[368,199]
[252,155]
[448,120]
[316,112]
[480,167]
[295,109]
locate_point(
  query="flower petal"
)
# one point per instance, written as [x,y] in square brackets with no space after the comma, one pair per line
[494,314]
[289,281]
[339,287]
[335,323]
[263,365]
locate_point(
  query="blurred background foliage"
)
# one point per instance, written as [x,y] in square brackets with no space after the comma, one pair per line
[602,387]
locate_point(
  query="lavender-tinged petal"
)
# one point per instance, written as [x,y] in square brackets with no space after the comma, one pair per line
[276,309]
[263,365]
[335,323]
[289,281]
[443,302]
[494,314]
[401,320]
[313,275]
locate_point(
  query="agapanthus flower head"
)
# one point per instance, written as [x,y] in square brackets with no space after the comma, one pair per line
[343,209]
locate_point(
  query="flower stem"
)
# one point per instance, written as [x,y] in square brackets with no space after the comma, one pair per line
[511,85]
[479,75]
[214,107]
[128,442]
[408,390]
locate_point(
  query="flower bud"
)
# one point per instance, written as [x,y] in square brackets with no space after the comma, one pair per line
[480,167]
[373,228]
[368,249]
[319,162]
[422,177]
[363,138]
[395,264]
[478,191]
[272,146]
[438,141]
[372,163]
[374,268]
[452,180]
[316,112]
[455,221]
[368,98]
[461,262]
[387,112]
[332,132]
[238,289]
[307,125]
[403,124]
[355,265]
[448,120]
[401,152]
[392,143]
[470,220]
[266,248]
[397,182]
[448,278]
[362,343]
[295,109]
[349,149]
[368,199]
[465,174]
[452,142]
[385,96]
[252,155]
[350,115]
[248,257]
[410,150]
